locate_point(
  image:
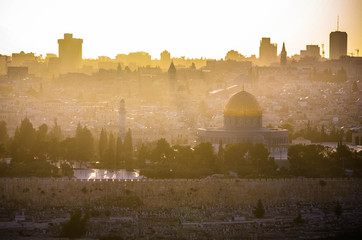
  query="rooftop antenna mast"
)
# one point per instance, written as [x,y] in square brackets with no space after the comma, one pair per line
[337,23]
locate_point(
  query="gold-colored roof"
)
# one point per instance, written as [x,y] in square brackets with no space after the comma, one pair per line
[242,104]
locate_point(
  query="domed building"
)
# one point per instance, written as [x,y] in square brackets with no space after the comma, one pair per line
[243,123]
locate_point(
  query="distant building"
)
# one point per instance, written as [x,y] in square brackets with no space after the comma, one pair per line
[337,44]
[234,55]
[17,73]
[70,53]
[19,59]
[311,52]
[3,64]
[140,59]
[267,52]
[165,59]
[357,137]
[243,124]
[283,56]
[242,67]
[50,56]
[122,58]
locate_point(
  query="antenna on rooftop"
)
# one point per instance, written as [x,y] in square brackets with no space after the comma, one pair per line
[337,23]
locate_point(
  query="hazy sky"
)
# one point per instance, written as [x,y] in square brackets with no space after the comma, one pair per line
[191,28]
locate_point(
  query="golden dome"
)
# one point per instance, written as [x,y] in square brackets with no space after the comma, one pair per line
[242,104]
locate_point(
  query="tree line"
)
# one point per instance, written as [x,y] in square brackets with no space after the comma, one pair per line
[319,134]
[36,152]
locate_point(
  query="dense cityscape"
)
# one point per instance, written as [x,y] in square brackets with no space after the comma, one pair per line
[266,146]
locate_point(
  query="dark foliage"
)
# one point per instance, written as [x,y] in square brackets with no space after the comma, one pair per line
[76,226]
[298,220]
[259,210]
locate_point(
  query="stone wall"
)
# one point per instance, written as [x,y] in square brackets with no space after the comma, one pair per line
[39,193]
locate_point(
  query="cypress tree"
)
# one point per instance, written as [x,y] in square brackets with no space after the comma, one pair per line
[111,152]
[259,210]
[102,146]
[119,152]
[128,149]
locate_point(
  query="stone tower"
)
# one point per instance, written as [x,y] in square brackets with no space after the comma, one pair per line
[283,56]
[172,78]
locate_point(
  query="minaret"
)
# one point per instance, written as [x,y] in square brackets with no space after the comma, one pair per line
[122,119]
[172,78]
[283,56]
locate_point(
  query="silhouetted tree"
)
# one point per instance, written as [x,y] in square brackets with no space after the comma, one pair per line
[3,132]
[343,155]
[23,141]
[193,67]
[234,158]
[162,152]
[204,156]
[143,153]
[69,149]
[56,132]
[110,154]
[84,143]
[341,75]
[298,219]
[338,210]
[102,145]
[323,134]
[41,142]
[313,161]
[355,86]
[184,157]
[128,149]
[55,137]
[76,226]
[4,137]
[119,152]
[66,170]
[259,157]
[220,153]
[259,210]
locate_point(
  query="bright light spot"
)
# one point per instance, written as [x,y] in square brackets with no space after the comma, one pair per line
[92,175]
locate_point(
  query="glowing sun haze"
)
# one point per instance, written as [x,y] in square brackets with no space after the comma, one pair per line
[183,27]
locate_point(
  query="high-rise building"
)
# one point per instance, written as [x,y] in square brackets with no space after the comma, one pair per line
[267,52]
[165,59]
[311,52]
[70,53]
[337,44]
[283,56]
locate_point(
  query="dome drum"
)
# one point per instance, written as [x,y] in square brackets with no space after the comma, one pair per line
[242,123]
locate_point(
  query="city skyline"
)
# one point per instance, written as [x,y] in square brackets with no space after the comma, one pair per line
[210,29]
